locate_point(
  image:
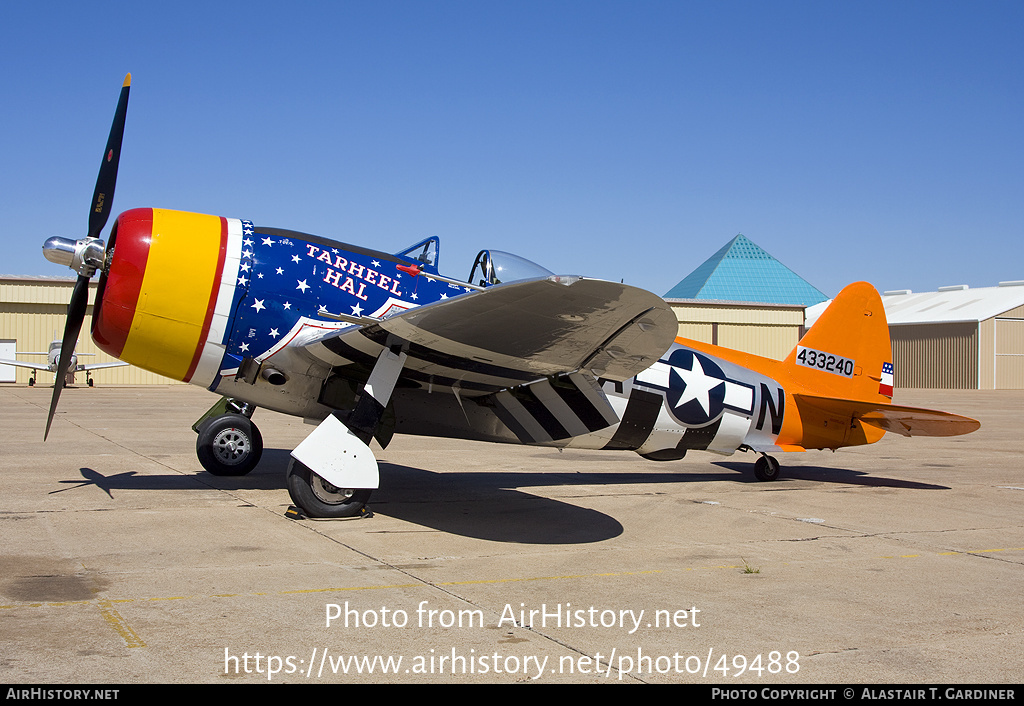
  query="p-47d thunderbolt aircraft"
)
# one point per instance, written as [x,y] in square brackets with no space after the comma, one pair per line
[366,344]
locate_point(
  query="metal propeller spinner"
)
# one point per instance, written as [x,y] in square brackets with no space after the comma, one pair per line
[87,255]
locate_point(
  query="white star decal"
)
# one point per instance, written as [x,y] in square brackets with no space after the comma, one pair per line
[414,296]
[258,306]
[296,258]
[280,271]
[242,281]
[243,348]
[375,263]
[247,242]
[443,295]
[357,310]
[303,286]
[698,385]
[274,333]
[259,275]
[246,253]
[244,267]
[268,242]
[287,305]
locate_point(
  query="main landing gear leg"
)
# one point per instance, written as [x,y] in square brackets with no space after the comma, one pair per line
[767,468]
[333,471]
[229,444]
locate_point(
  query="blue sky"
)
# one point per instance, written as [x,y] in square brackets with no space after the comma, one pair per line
[877,141]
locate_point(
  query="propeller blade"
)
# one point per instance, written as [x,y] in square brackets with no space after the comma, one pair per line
[76,315]
[78,255]
[103,196]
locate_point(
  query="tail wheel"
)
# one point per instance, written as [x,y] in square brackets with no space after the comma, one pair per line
[229,445]
[318,498]
[767,468]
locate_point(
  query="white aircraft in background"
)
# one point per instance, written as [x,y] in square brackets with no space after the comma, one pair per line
[53,357]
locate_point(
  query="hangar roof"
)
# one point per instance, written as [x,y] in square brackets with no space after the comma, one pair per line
[958,303]
[949,304]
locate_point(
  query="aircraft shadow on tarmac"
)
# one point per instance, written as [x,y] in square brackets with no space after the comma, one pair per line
[828,474]
[491,505]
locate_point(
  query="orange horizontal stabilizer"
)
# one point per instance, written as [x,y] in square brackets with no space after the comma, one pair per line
[908,421]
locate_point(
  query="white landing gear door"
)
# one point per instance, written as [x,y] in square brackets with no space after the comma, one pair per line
[338,456]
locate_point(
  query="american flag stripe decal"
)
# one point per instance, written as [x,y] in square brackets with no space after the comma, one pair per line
[885,387]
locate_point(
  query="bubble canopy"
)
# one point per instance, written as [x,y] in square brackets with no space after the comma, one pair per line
[497,266]
[490,267]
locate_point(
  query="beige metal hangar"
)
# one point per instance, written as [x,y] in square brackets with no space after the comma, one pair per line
[769,330]
[958,337]
[32,314]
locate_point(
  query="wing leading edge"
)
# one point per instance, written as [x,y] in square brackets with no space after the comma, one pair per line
[23,364]
[512,334]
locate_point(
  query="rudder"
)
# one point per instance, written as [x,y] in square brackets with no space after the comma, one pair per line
[845,351]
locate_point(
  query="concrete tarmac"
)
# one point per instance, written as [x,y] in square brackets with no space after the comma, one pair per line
[122,561]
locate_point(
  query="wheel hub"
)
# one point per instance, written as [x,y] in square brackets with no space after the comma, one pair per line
[328,493]
[231,446]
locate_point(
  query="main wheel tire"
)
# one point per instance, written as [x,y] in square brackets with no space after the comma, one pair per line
[767,468]
[229,445]
[318,498]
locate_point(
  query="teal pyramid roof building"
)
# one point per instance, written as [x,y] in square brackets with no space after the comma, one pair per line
[742,271]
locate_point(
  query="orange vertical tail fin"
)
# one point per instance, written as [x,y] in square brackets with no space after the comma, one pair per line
[847,352]
[843,376]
